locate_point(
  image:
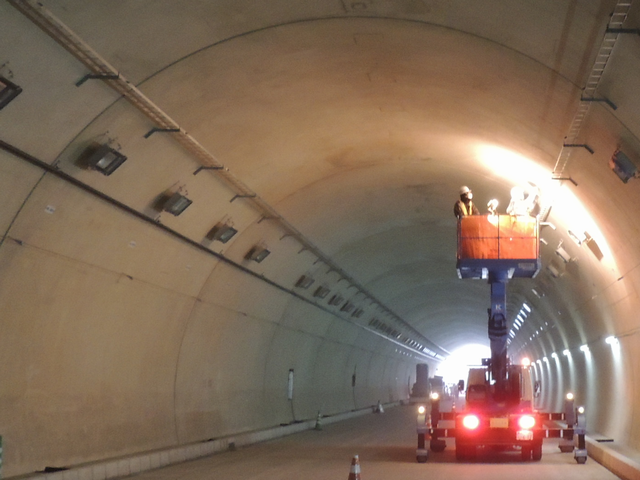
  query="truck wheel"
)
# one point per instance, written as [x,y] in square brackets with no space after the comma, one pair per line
[421,458]
[537,452]
[437,445]
[526,453]
[581,460]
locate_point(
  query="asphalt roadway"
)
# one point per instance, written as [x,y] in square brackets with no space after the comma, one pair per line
[385,444]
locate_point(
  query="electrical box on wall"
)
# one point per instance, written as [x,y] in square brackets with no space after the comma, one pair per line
[623,166]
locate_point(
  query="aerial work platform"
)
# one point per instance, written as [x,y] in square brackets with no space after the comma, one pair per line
[498,243]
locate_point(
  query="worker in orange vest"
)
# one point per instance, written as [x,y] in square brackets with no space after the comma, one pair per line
[465,206]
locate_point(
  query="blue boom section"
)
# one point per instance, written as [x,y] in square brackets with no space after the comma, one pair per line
[498,248]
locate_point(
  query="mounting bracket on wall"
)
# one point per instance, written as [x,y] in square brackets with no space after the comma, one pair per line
[603,100]
[162,130]
[582,145]
[199,169]
[98,76]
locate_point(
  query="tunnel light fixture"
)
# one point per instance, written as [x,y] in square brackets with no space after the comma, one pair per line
[577,237]
[555,273]
[545,359]
[347,307]
[554,355]
[321,292]
[176,204]
[584,348]
[566,353]
[304,282]
[105,160]
[570,396]
[622,166]
[562,253]
[336,300]
[8,91]
[526,307]
[222,232]
[613,341]
[257,254]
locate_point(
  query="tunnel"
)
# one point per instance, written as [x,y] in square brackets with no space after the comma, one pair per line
[222,217]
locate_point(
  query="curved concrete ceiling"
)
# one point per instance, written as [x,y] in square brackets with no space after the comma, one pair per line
[345,130]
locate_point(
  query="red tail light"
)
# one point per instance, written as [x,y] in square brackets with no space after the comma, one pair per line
[471,422]
[527,422]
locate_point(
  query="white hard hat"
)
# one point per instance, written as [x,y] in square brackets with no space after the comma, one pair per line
[464,190]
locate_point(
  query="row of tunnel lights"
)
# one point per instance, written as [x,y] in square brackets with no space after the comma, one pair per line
[519,322]
[323,291]
[610,340]
[106,160]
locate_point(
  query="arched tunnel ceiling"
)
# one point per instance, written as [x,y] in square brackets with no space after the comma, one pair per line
[357,122]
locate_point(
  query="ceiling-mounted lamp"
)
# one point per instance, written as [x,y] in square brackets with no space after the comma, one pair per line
[555,273]
[105,160]
[613,341]
[222,232]
[176,204]
[577,237]
[622,166]
[336,300]
[321,292]
[347,307]
[304,282]
[257,254]
[8,91]
[562,253]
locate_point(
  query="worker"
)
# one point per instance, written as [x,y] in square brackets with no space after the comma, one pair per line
[493,206]
[465,206]
[521,205]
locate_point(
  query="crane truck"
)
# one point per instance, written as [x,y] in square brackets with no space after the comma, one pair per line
[498,410]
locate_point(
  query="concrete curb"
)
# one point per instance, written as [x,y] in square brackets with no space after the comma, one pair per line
[624,467]
[134,464]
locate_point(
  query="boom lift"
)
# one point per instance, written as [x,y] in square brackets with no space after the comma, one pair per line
[499,400]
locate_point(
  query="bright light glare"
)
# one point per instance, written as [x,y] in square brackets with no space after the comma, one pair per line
[421,410]
[569,396]
[519,170]
[471,422]
[527,422]
[456,366]
[613,341]
[584,348]
[526,362]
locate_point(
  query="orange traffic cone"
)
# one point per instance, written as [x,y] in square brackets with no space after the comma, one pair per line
[355,469]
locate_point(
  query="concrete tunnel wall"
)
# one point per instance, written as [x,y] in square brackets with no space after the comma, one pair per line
[121,334]
[102,358]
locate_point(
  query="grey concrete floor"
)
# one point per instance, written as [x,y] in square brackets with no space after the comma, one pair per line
[385,444]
